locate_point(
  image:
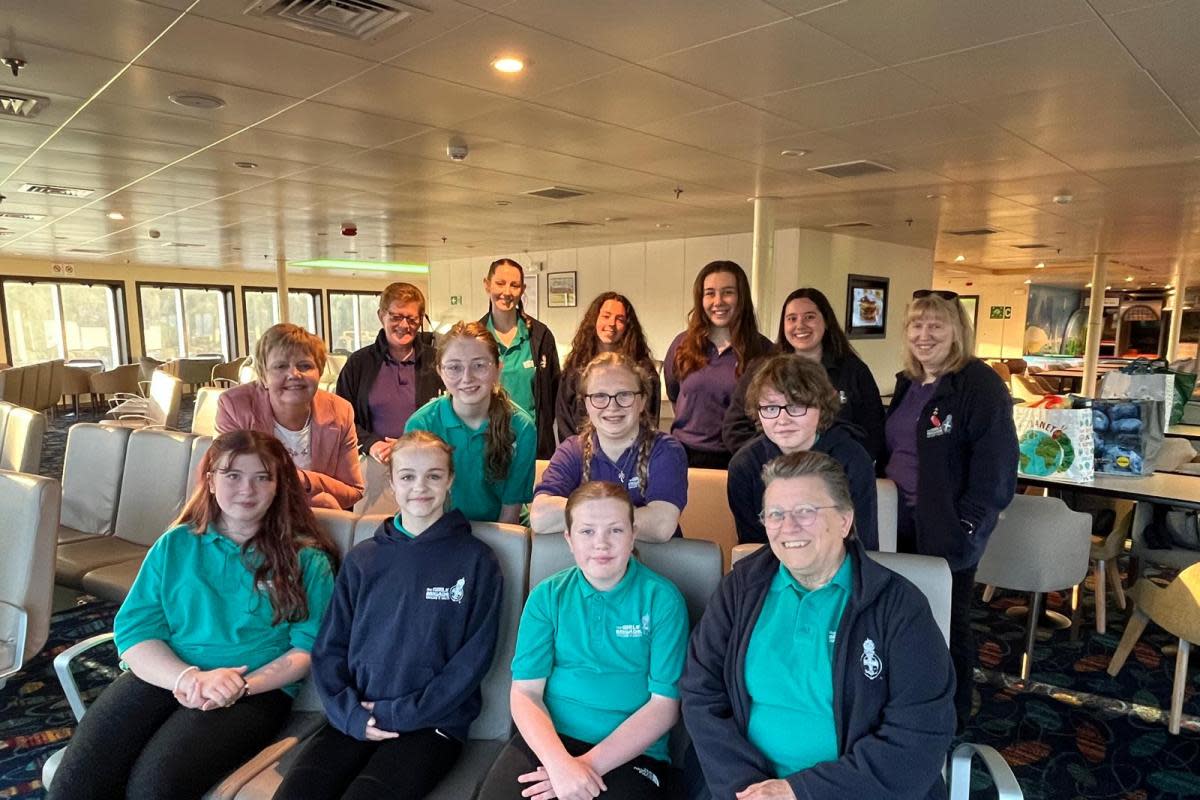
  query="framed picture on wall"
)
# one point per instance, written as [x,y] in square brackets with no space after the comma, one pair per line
[866,307]
[560,289]
[970,304]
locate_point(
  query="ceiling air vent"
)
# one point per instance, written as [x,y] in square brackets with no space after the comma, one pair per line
[351,19]
[1034,246]
[21,215]
[26,106]
[973,232]
[403,246]
[87,250]
[855,224]
[569,223]
[181,244]
[556,193]
[55,191]
[852,169]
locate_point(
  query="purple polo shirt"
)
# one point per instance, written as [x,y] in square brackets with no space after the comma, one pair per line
[667,471]
[703,396]
[901,435]
[393,397]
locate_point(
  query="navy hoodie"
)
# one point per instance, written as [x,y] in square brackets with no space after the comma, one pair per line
[842,443]
[412,626]
[893,690]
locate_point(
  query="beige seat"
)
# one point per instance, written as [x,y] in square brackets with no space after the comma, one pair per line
[200,446]
[1039,545]
[204,414]
[30,508]
[1176,609]
[119,380]
[226,375]
[91,485]
[194,372]
[491,729]
[707,515]
[10,384]
[159,409]
[21,434]
[888,513]
[378,497]
[76,381]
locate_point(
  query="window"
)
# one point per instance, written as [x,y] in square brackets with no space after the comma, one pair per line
[45,320]
[262,311]
[186,321]
[353,320]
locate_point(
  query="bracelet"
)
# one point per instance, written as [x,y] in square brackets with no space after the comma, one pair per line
[186,670]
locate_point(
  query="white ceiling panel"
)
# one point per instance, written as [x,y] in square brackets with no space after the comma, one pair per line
[631,96]
[1162,39]
[944,124]
[728,129]
[880,93]
[341,125]
[407,95]
[530,125]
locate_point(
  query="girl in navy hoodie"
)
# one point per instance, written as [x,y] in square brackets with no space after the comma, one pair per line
[409,636]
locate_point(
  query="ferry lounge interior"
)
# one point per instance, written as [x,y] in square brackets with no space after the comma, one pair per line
[171,169]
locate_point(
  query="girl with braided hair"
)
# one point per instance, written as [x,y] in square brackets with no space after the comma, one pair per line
[494,441]
[618,442]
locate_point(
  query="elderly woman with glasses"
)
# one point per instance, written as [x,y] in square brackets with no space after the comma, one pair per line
[952,452]
[814,671]
[388,380]
[796,407]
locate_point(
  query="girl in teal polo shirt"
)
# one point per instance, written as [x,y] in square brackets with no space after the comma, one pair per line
[494,442]
[216,632]
[599,652]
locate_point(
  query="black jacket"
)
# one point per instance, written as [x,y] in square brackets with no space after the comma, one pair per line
[967,455]
[894,714]
[362,367]
[545,380]
[861,404]
[570,411]
[842,442]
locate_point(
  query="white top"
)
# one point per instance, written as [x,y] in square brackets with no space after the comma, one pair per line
[297,443]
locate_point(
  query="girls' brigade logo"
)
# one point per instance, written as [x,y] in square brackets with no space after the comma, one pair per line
[872,664]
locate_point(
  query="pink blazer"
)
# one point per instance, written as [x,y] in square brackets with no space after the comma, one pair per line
[335,477]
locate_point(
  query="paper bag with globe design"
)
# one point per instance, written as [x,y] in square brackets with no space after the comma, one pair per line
[1055,443]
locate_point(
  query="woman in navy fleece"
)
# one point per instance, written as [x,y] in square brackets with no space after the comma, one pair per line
[407,640]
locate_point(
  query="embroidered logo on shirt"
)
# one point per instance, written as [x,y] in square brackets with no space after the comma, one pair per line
[842,396]
[647,774]
[872,664]
[529,363]
[941,427]
[454,593]
[630,631]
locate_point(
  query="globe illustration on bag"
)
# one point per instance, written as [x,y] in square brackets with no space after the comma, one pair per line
[1043,454]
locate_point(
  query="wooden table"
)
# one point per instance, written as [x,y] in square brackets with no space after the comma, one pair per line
[1073,375]
[1184,431]
[1165,488]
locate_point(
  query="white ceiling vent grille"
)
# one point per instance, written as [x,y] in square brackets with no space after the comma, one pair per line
[21,215]
[556,193]
[351,19]
[852,169]
[25,106]
[55,191]
[569,223]
[856,224]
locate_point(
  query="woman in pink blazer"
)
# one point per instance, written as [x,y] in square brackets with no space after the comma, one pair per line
[316,427]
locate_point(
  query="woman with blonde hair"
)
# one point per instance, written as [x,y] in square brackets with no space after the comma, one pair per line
[952,452]
[316,427]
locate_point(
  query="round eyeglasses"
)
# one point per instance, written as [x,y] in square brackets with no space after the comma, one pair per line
[600,400]
[772,518]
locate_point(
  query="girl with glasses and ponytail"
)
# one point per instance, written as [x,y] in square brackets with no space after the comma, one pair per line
[617,442]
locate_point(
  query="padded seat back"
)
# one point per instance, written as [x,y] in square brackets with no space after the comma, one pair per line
[707,515]
[889,512]
[93,468]
[116,380]
[21,440]
[200,446]
[5,408]
[10,385]
[377,497]
[27,551]
[29,386]
[166,392]
[154,484]
[510,543]
[204,415]
[1039,545]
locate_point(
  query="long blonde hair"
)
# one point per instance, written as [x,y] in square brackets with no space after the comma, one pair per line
[951,312]
[498,451]
[646,430]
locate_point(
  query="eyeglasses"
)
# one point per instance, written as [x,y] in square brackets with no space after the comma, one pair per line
[945,294]
[772,518]
[772,411]
[456,370]
[397,319]
[600,400]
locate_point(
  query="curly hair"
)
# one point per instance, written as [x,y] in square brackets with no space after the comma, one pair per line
[646,430]
[585,346]
[691,354]
[501,438]
[801,381]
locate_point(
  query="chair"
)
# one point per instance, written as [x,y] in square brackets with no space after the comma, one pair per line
[707,515]
[91,484]
[21,434]
[194,372]
[204,413]
[1027,389]
[160,409]
[1002,370]
[1039,545]
[30,505]
[1141,551]
[226,375]
[888,502]
[1174,453]
[1176,609]
[120,380]
[75,382]
[200,446]
[378,497]
[10,384]
[146,366]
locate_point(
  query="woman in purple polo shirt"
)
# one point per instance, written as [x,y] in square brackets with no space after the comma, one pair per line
[618,442]
[704,362]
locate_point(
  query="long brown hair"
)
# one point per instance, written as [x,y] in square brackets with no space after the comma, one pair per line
[646,429]
[835,341]
[500,436]
[287,528]
[586,344]
[691,355]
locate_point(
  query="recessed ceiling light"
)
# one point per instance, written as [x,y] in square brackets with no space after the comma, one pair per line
[504,203]
[1152,283]
[1107,288]
[1087,286]
[510,65]
[205,102]
[663,225]
[1129,279]
[1028,281]
[373,266]
[793,153]
[934,196]
[1040,265]
[245,165]
[960,258]
[117,215]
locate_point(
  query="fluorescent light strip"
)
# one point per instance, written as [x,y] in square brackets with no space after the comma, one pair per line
[370,266]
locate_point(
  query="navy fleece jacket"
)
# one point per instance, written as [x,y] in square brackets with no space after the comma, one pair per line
[893,699]
[412,627]
[842,442]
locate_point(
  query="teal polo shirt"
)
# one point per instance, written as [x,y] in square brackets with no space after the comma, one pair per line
[472,492]
[789,671]
[517,367]
[602,653]
[196,592]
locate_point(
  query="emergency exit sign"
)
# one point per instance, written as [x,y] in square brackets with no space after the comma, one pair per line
[1001,312]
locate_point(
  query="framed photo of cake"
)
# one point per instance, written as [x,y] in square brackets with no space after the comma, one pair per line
[866,307]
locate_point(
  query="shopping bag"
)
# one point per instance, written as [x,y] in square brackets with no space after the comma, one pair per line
[1128,434]
[1151,380]
[1055,442]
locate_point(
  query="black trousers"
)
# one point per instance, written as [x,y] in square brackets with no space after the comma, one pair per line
[706,459]
[334,765]
[137,741]
[641,778]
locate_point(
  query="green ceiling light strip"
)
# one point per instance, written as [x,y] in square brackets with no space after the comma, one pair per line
[367,266]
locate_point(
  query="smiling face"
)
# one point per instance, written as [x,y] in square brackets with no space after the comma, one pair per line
[244,489]
[812,552]
[504,288]
[790,434]
[469,371]
[720,299]
[613,421]
[611,323]
[401,322]
[421,479]
[601,539]
[930,339]
[804,327]
[291,376]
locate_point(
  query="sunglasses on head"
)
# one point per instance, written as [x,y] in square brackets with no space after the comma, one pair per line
[945,294]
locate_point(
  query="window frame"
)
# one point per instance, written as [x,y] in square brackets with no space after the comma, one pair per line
[347,293]
[319,309]
[120,311]
[230,309]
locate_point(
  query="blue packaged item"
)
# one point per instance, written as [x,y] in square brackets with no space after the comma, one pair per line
[1127,435]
